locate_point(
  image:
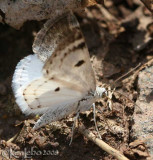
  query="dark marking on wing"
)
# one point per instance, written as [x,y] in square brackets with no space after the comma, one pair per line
[55,55]
[65,54]
[57,89]
[81,45]
[81,62]
[83,99]
[47,71]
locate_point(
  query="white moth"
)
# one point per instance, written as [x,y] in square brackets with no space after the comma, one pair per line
[58,80]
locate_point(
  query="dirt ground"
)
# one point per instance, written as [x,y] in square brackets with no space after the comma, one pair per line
[118,41]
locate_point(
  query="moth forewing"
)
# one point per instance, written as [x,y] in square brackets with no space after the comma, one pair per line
[71,62]
[53,32]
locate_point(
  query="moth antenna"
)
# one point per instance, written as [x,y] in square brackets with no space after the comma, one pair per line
[125,97]
[128,99]
[120,94]
[118,79]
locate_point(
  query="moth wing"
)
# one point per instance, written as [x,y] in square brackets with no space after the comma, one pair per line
[43,94]
[55,114]
[49,37]
[27,70]
[71,61]
[36,94]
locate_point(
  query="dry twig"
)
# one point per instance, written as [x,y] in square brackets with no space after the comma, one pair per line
[101,143]
[132,78]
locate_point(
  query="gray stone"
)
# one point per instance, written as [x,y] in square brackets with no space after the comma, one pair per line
[143,114]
